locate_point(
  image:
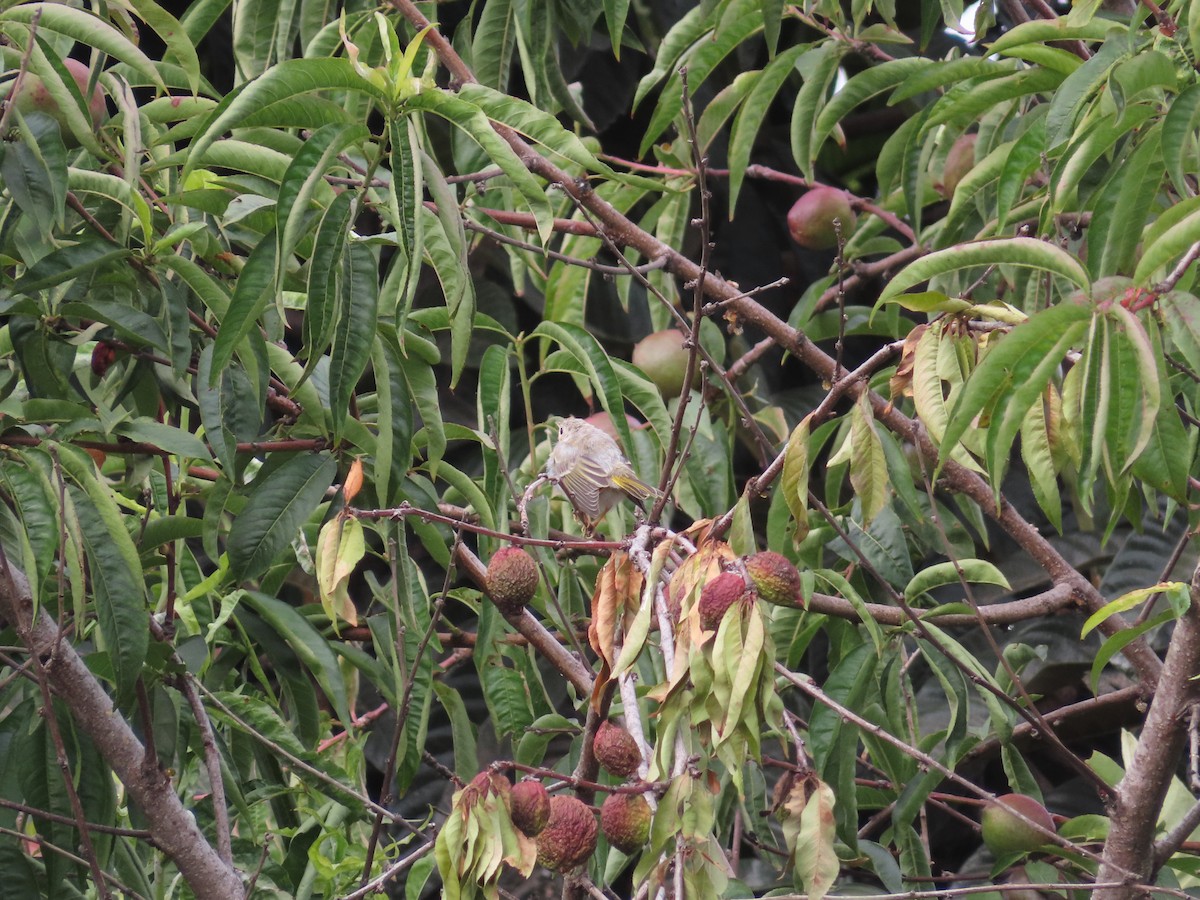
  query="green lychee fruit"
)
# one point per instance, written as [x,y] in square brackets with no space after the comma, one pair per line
[616,750]
[1004,833]
[664,359]
[530,807]
[959,161]
[717,596]
[625,821]
[569,837]
[811,218]
[512,579]
[775,578]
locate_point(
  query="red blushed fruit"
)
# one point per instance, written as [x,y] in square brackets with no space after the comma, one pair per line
[811,218]
[1004,833]
[103,356]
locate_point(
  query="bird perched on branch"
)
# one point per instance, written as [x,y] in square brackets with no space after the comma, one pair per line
[592,471]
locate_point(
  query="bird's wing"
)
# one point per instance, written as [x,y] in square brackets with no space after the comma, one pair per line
[623,477]
[582,485]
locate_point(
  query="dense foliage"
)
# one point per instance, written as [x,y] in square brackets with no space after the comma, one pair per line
[296,295]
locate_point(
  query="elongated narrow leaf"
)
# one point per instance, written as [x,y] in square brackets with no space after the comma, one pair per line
[474,123]
[1006,373]
[355,329]
[753,113]
[250,297]
[1027,252]
[304,175]
[115,573]
[306,642]
[1179,135]
[289,79]
[275,510]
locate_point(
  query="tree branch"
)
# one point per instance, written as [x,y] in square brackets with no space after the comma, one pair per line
[175,829]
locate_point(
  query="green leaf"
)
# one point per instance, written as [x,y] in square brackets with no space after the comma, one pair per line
[66,263]
[321,310]
[474,123]
[180,47]
[276,508]
[1014,374]
[1078,87]
[115,570]
[85,28]
[34,170]
[172,440]
[738,22]
[1134,599]
[1179,135]
[861,88]
[1138,179]
[818,68]
[354,331]
[290,78]
[1169,245]
[251,296]
[753,114]
[1045,31]
[306,642]
[492,44]
[304,175]
[975,571]
[1026,252]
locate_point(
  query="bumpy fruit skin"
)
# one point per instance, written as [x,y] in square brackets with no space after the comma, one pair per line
[616,750]
[512,579]
[35,97]
[664,360]
[530,807]
[569,837]
[959,161]
[775,578]
[716,598]
[810,220]
[625,821]
[1003,832]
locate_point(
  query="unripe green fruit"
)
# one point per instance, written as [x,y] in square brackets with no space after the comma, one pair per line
[717,596]
[959,161]
[512,579]
[569,837]
[811,218]
[625,821]
[1004,833]
[616,750]
[664,359]
[36,97]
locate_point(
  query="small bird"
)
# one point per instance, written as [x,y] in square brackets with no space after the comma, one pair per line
[592,471]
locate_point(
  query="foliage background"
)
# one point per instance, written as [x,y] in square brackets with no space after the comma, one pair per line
[282,337]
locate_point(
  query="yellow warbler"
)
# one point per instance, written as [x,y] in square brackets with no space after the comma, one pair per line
[592,471]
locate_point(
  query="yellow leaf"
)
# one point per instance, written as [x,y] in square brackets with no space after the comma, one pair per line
[340,547]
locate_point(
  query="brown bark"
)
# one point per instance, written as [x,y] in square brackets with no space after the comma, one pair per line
[1140,795]
[174,828]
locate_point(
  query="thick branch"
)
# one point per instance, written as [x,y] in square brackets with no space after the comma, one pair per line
[175,830]
[1140,794]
